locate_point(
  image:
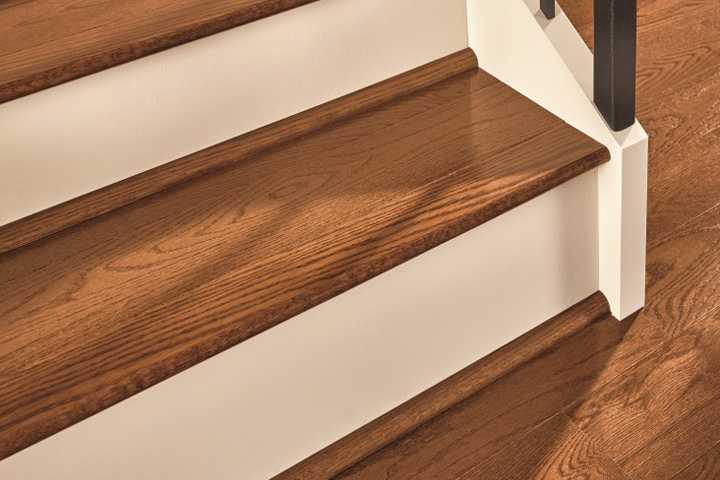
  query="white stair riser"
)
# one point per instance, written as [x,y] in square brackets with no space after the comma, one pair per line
[78,137]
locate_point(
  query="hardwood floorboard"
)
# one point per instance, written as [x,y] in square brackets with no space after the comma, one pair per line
[100,311]
[678,445]
[555,450]
[48,43]
[707,467]
[684,275]
[652,419]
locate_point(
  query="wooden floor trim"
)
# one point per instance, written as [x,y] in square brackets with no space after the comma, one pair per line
[94,204]
[407,417]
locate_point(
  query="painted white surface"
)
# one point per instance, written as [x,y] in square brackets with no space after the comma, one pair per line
[548,62]
[260,407]
[69,140]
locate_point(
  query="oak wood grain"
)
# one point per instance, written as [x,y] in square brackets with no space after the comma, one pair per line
[652,419]
[707,467]
[555,450]
[238,149]
[683,285]
[46,43]
[100,311]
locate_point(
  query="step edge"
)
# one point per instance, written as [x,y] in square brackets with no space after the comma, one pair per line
[412,414]
[103,60]
[53,220]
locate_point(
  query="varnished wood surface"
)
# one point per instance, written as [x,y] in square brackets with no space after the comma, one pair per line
[71,213]
[573,455]
[45,43]
[100,311]
[632,400]
[706,467]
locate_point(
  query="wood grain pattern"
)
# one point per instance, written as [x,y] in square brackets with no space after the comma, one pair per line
[707,467]
[571,455]
[238,149]
[647,398]
[105,309]
[457,388]
[651,419]
[48,43]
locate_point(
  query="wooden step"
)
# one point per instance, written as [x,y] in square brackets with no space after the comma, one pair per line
[102,310]
[48,43]
[53,220]
[371,451]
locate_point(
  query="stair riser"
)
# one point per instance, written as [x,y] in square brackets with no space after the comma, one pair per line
[260,407]
[78,137]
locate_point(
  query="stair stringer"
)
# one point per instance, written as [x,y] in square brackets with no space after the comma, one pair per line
[548,62]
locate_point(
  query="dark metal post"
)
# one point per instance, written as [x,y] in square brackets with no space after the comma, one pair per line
[548,8]
[615,61]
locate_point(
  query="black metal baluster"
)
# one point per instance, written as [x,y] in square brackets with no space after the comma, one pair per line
[548,8]
[615,61]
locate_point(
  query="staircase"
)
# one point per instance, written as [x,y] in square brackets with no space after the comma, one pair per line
[232,234]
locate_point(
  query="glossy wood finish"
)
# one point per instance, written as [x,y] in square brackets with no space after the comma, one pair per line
[105,309]
[632,400]
[706,467]
[71,213]
[46,43]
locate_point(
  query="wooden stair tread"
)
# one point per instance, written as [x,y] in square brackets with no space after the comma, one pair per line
[105,309]
[48,43]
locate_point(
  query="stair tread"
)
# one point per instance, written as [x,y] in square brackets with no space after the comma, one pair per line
[105,309]
[48,43]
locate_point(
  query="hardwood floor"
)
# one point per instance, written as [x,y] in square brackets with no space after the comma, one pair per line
[105,309]
[48,43]
[632,400]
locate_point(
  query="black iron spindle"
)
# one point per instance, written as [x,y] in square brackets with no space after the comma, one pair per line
[548,8]
[615,61]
